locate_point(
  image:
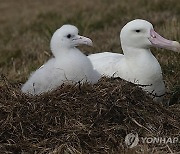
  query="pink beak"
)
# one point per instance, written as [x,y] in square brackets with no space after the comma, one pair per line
[159,41]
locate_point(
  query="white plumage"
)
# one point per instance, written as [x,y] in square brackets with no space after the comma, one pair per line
[137,64]
[68,65]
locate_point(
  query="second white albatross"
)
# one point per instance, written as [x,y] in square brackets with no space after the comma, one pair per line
[68,65]
[137,64]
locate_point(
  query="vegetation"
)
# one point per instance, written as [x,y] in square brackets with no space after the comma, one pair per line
[25,31]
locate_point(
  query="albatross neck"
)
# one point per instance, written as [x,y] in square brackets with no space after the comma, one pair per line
[141,58]
[136,54]
[60,52]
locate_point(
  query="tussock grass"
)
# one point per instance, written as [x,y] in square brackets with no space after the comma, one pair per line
[83,119]
[25,31]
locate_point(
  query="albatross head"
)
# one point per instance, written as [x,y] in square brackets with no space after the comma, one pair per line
[141,35]
[67,37]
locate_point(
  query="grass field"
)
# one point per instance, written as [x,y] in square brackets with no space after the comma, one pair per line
[26,28]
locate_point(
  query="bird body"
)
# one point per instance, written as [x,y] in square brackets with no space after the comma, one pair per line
[69,65]
[137,64]
[146,74]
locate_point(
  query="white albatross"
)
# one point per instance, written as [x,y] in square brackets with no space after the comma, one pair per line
[137,64]
[68,65]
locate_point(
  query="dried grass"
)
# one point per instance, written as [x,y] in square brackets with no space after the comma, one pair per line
[83,118]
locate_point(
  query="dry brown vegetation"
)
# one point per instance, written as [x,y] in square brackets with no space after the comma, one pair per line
[83,119]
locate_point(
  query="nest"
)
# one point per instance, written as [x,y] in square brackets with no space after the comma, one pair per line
[83,119]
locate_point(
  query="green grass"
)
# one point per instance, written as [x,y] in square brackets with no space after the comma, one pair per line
[25,34]
[26,29]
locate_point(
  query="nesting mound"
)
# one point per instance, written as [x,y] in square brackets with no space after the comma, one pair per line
[83,119]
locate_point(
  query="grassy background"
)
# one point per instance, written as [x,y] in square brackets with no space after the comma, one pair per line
[26,28]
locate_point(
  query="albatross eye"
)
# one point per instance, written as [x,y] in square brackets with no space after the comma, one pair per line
[137,31]
[69,36]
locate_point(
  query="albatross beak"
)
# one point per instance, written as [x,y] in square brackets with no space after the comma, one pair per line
[79,40]
[159,41]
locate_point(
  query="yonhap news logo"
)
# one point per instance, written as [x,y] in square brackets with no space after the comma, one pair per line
[132,140]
